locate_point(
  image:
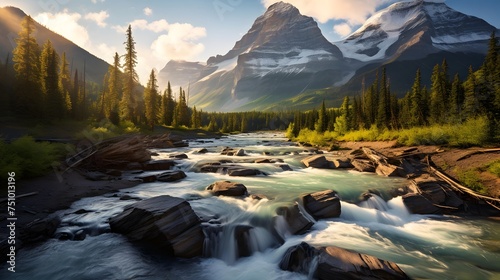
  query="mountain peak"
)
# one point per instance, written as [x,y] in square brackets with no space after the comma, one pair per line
[282,7]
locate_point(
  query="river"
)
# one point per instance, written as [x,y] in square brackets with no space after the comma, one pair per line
[424,246]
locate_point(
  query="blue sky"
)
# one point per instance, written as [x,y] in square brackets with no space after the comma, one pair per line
[194,30]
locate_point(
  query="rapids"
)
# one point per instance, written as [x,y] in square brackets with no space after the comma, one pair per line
[424,246]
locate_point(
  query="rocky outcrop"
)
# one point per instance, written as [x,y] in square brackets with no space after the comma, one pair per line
[337,263]
[39,229]
[164,222]
[227,188]
[322,205]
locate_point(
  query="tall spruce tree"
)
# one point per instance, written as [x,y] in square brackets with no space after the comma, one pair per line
[26,58]
[417,106]
[128,102]
[151,101]
[471,102]
[112,92]
[65,84]
[49,66]
[456,99]
[322,124]
[438,104]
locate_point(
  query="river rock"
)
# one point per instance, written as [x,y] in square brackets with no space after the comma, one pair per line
[322,205]
[227,188]
[342,163]
[418,204]
[178,156]
[166,223]
[285,167]
[262,160]
[242,171]
[297,222]
[39,229]
[389,170]
[202,151]
[337,263]
[316,161]
[171,176]
[240,152]
[147,178]
[155,165]
[363,165]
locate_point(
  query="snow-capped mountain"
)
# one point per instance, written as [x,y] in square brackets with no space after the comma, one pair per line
[283,54]
[426,26]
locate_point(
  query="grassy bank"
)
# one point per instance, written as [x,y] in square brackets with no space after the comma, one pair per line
[473,132]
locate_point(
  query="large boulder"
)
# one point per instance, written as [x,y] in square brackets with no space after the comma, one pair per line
[317,161]
[166,223]
[322,205]
[337,263]
[227,188]
[296,221]
[418,204]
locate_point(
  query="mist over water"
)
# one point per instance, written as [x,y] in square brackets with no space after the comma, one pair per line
[425,247]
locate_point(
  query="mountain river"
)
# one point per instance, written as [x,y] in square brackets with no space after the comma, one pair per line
[424,246]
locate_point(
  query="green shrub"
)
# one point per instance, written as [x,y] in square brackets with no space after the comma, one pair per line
[28,158]
[470,179]
[494,168]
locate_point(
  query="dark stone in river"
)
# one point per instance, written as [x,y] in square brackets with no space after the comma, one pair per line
[164,222]
[418,204]
[171,176]
[39,229]
[227,188]
[297,222]
[337,263]
[155,165]
[178,156]
[242,171]
[322,205]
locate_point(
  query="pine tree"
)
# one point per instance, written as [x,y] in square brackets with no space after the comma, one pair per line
[244,124]
[471,103]
[456,99]
[49,65]
[437,104]
[383,116]
[151,101]
[343,121]
[194,118]
[416,102]
[128,103]
[65,84]
[26,58]
[322,124]
[112,92]
[75,94]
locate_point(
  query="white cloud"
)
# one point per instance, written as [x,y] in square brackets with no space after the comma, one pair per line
[142,24]
[66,24]
[99,18]
[95,1]
[179,43]
[148,11]
[342,29]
